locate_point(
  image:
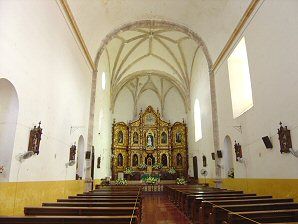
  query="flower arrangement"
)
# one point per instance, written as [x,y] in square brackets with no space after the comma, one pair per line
[231,173]
[121,181]
[151,180]
[180,181]
[157,166]
[172,170]
[142,166]
[2,169]
[128,171]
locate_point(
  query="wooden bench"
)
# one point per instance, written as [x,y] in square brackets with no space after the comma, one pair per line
[195,210]
[191,198]
[272,216]
[220,214]
[70,220]
[91,204]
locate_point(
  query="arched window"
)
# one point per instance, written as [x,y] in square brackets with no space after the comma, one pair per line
[197,119]
[120,160]
[135,160]
[103,80]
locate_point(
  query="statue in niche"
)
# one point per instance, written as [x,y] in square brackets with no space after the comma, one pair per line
[164,138]
[164,160]
[120,160]
[135,160]
[150,140]
[120,137]
[135,138]
[238,151]
[284,136]
[178,137]
[179,159]
[34,139]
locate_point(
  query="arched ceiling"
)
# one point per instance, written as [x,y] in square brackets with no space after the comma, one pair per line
[161,50]
[213,20]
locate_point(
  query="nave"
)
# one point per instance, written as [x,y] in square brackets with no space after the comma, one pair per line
[157,209]
[174,204]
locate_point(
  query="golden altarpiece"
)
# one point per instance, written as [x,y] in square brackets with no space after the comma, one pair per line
[149,140]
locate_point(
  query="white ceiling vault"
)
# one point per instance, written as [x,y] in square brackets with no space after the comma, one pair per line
[144,51]
[152,45]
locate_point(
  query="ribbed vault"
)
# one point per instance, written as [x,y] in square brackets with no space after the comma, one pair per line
[146,48]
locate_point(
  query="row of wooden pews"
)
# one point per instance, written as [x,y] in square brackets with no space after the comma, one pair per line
[111,204]
[207,205]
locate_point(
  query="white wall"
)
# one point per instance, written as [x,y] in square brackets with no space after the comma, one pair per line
[200,89]
[271,41]
[41,57]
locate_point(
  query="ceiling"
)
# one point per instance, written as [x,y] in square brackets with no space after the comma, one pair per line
[213,20]
[153,44]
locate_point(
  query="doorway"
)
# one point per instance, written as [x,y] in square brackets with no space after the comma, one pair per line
[195,167]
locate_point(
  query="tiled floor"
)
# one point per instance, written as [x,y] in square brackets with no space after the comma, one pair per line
[157,209]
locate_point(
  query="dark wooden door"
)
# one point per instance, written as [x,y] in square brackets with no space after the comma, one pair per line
[195,167]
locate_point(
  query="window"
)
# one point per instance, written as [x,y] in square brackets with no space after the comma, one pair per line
[197,118]
[103,80]
[240,84]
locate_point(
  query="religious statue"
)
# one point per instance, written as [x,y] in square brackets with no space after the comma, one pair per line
[178,137]
[135,160]
[179,159]
[150,142]
[135,138]
[164,138]
[120,160]
[164,160]
[120,137]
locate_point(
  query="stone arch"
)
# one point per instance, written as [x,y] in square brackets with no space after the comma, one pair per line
[9,110]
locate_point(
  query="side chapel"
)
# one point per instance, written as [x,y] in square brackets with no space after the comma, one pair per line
[149,140]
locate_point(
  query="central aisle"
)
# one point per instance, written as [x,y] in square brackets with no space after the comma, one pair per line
[157,209]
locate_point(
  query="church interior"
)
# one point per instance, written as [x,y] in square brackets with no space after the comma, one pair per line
[161,111]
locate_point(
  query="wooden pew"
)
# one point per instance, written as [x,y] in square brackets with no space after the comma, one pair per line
[91,204]
[70,220]
[230,200]
[220,214]
[191,198]
[79,211]
[272,216]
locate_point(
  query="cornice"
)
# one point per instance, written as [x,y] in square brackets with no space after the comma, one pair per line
[243,21]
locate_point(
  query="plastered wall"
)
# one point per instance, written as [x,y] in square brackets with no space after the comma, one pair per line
[271,47]
[40,57]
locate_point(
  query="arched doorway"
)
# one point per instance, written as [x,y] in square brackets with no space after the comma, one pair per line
[80,158]
[227,156]
[9,109]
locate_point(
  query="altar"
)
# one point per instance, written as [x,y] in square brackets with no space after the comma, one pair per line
[149,145]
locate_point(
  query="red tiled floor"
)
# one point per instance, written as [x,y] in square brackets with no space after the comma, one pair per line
[157,209]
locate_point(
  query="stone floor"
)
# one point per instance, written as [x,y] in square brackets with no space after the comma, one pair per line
[157,209]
